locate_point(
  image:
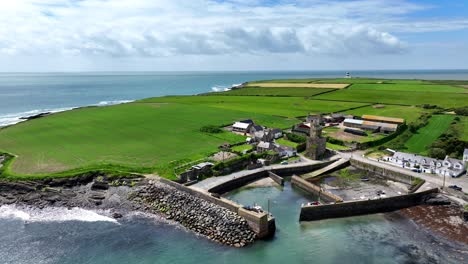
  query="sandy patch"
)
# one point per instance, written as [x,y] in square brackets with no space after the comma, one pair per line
[444,220]
[223,155]
[265,182]
[302,85]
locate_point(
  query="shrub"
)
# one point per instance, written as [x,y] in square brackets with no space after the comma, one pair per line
[462,111]
[295,138]
[211,129]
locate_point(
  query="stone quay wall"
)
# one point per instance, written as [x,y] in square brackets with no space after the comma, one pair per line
[276,178]
[353,208]
[280,171]
[314,189]
[258,222]
[385,172]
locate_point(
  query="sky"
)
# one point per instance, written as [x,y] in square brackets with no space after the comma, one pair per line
[224,35]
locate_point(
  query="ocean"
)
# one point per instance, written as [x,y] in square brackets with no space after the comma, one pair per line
[26,94]
[69,236]
[61,235]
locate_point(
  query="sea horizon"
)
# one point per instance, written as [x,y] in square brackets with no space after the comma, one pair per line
[31,93]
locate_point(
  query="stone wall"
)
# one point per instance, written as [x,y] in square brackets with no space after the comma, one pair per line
[282,171]
[353,208]
[275,177]
[314,189]
[256,221]
[387,173]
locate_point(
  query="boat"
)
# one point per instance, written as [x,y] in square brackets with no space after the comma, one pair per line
[313,203]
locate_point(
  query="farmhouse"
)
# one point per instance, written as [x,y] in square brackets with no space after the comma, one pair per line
[302,129]
[241,127]
[265,146]
[383,119]
[447,167]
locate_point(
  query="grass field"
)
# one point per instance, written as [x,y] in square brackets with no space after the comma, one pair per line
[424,137]
[285,142]
[336,147]
[300,85]
[280,91]
[276,106]
[135,135]
[157,134]
[446,100]
[409,113]
[462,128]
[433,88]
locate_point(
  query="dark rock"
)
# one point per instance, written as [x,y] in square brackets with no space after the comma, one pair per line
[465,215]
[117,215]
[100,186]
[437,200]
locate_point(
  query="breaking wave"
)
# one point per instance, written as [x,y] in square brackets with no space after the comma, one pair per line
[223,88]
[59,214]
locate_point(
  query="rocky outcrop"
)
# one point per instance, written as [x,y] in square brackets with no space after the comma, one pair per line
[92,190]
[198,215]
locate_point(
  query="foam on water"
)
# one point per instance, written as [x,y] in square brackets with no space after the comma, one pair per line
[55,214]
[223,88]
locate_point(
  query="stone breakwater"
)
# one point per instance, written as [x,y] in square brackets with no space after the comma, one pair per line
[198,215]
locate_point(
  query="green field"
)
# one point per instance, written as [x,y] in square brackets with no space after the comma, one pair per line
[433,88]
[276,106]
[286,142]
[158,134]
[336,147]
[424,137]
[446,100]
[135,135]
[287,91]
[409,113]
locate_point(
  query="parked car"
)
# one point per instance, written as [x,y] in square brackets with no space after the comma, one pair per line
[284,163]
[455,187]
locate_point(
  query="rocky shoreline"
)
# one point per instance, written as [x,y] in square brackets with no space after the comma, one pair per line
[129,194]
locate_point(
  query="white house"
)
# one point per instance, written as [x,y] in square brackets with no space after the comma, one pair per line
[241,127]
[465,156]
[448,166]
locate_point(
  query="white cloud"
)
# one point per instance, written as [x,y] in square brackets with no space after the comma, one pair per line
[157,28]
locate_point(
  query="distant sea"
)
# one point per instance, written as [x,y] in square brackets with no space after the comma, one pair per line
[26,94]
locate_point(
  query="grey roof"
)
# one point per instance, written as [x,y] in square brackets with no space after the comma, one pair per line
[257,127]
[413,157]
[264,145]
[465,152]
[353,121]
[419,159]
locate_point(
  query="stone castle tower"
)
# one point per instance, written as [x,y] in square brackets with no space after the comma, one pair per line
[316,144]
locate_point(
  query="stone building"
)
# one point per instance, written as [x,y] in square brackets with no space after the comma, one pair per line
[316,144]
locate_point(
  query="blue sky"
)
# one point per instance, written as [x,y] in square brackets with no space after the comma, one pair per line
[122,35]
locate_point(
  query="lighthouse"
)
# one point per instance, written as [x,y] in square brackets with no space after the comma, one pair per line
[348,75]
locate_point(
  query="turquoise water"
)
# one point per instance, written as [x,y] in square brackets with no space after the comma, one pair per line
[137,239]
[24,94]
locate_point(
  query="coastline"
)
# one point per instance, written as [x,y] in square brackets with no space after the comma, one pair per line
[121,196]
[10,119]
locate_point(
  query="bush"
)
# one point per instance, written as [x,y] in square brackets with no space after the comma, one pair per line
[211,129]
[295,138]
[462,111]
[301,147]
